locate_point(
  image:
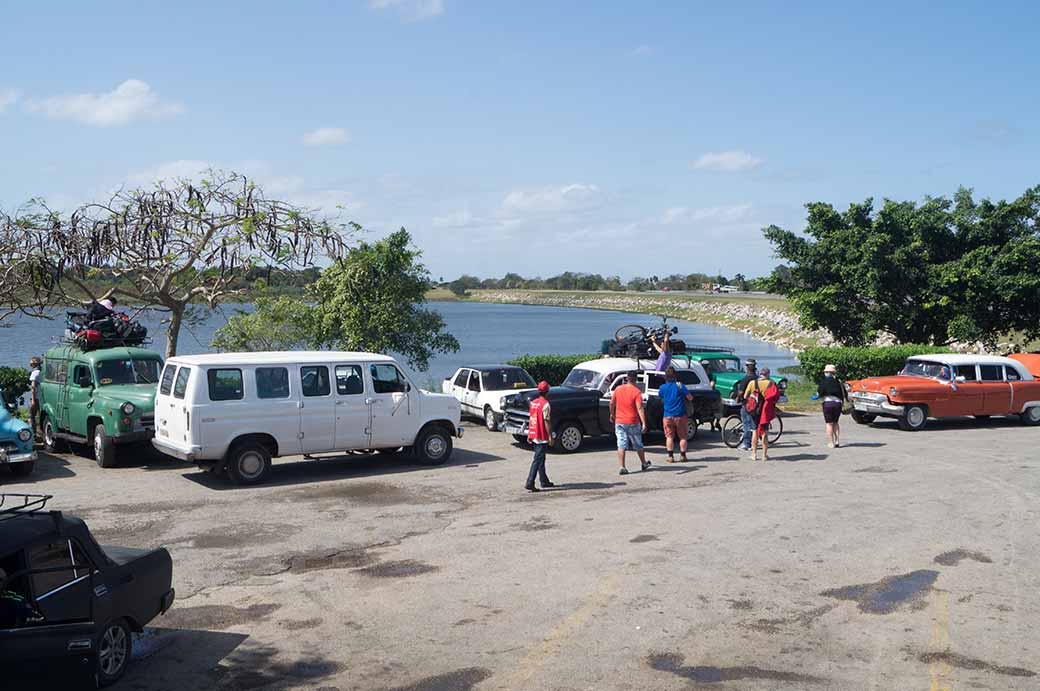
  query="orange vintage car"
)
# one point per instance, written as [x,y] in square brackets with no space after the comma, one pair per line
[934,386]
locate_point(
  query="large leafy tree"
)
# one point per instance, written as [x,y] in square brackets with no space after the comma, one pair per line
[373,299]
[934,272]
[168,247]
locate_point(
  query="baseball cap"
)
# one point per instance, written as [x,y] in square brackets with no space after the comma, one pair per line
[543,386]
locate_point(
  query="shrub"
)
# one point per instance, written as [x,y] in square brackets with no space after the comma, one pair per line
[860,362]
[14,383]
[551,368]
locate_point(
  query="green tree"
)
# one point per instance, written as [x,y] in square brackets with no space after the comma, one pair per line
[370,300]
[930,273]
[14,383]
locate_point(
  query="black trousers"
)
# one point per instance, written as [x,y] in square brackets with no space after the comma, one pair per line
[538,466]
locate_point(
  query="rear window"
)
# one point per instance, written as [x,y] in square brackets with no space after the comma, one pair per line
[966,371]
[992,372]
[166,383]
[225,384]
[687,377]
[182,382]
[272,382]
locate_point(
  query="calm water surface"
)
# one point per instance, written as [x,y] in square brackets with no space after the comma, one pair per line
[487,333]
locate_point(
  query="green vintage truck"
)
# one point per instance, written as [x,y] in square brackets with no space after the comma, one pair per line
[104,398]
[725,370]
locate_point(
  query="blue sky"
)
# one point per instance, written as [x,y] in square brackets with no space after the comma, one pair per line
[624,138]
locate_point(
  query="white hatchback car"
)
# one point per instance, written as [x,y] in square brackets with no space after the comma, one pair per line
[479,389]
[236,411]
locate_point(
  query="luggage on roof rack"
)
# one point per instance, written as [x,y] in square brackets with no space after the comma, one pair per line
[99,327]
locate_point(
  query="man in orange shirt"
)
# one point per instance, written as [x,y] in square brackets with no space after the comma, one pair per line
[629,418]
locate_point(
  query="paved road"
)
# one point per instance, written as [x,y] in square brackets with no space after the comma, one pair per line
[902,560]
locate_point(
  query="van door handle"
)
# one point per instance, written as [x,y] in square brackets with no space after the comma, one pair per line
[339,402]
[371,401]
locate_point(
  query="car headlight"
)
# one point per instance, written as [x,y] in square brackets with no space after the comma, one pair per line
[25,434]
[893,391]
[128,408]
[502,402]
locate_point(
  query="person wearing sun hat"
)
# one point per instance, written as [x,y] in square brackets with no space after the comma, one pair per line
[832,392]
[539,434]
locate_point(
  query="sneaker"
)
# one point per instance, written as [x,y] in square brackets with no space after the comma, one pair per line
[671,458]
[683,458]
[531,488]
[830,445]
[645,465]
[548,484]
[623,471]
[836,444]
[752,456]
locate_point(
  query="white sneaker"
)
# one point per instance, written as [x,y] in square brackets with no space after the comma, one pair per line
[830,445]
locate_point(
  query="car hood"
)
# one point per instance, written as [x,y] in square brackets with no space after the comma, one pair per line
[141,395]
[9,425]
[556,393]
[903,385]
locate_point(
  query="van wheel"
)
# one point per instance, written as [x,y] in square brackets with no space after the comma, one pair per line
[114,647]
[432,446]
[569,437]
[1031,416]
[248,463]
[914,418]
[51,443]
[104,448]
[22,469]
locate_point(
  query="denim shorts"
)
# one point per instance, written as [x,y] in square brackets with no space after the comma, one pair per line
[629,437]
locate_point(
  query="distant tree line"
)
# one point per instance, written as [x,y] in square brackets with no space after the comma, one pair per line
[570,280]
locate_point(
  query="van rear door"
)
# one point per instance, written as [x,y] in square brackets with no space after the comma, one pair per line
[172,413]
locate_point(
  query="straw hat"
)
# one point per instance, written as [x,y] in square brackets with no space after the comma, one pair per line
[830,369]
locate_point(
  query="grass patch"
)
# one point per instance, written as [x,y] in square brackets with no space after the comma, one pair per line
[441,295]
[799,396]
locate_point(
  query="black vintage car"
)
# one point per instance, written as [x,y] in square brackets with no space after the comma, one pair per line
[581,406]
[67,605]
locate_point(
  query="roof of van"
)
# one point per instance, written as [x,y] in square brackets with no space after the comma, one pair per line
[285,357]
[71,352]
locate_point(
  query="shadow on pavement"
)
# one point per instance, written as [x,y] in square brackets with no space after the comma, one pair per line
[953,423]
[799,457]
[866,444]
[330,468]
[48,467]
[585,485]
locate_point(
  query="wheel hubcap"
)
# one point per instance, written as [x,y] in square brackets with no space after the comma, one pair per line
[915,417]
[435,446]
[98,446]
[1034,414]
[489,420]
[48,435]
[112,653]
[250,464]
[571,438]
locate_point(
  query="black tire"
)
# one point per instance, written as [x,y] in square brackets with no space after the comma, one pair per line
[248,463]
[490,419]
[114,647]
[628,331]
[1031,416]
[915,417]
[693,428]
[862,418]
[521,439]
[775,430]
[51,443]
[22,469]
[433,446]
[569,437]
[732,431]
[104,447]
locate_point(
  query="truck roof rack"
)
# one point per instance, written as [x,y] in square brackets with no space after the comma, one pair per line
[22,504]
[707,349]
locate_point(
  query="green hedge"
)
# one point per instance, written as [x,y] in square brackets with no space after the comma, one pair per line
[551,368]
[14,383]
[857,363]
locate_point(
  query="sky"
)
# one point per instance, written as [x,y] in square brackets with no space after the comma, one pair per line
[621,138]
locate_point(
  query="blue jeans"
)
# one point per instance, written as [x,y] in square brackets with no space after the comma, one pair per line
[748,420]
[538,466]
[629,437]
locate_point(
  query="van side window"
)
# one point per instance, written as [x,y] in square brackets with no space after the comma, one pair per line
[81,376]
[315,380]
[182,382]
[992,372]
[55,371]
[225,384]
[166,383]
[387,378]
[272,382]
[349,381]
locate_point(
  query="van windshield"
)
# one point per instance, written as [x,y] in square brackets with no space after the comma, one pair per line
[128,371]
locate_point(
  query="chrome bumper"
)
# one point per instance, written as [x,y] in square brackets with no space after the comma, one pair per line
[6,457]
[876,408]
[512,428]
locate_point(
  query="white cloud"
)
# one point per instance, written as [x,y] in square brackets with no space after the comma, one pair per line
[727,161]
[717,214]
[575,197]
[458,219]
[411,10]
[326,136]
[641,51]
[131,100]
[8,97]
[171,171]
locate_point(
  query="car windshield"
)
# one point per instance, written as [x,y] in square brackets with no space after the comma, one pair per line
[923,368]
[583,379]
[506,379]
[128,371]
[721,365]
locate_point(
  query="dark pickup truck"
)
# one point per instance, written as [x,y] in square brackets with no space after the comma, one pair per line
[67,605]
[581,406]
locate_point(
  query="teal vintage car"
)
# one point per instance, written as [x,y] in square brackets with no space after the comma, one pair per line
[104,398]
[726,370]
[16,444]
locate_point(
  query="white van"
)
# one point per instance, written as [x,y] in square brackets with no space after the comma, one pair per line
[236,411]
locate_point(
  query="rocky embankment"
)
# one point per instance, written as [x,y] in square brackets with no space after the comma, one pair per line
[772,324]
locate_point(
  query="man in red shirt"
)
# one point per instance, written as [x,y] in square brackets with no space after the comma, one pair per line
[629,418]
[538,433]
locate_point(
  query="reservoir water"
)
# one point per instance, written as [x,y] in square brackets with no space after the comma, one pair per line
[487,333]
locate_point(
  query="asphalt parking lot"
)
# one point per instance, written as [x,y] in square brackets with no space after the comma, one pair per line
[899,561]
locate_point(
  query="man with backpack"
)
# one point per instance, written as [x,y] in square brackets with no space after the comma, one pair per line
[760,399]
[746,419]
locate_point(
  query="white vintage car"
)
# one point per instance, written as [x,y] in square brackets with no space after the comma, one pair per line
[479,389]
[234,412]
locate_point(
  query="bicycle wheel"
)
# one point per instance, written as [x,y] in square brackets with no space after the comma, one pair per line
[776,428]
[633,331]
[732,431]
